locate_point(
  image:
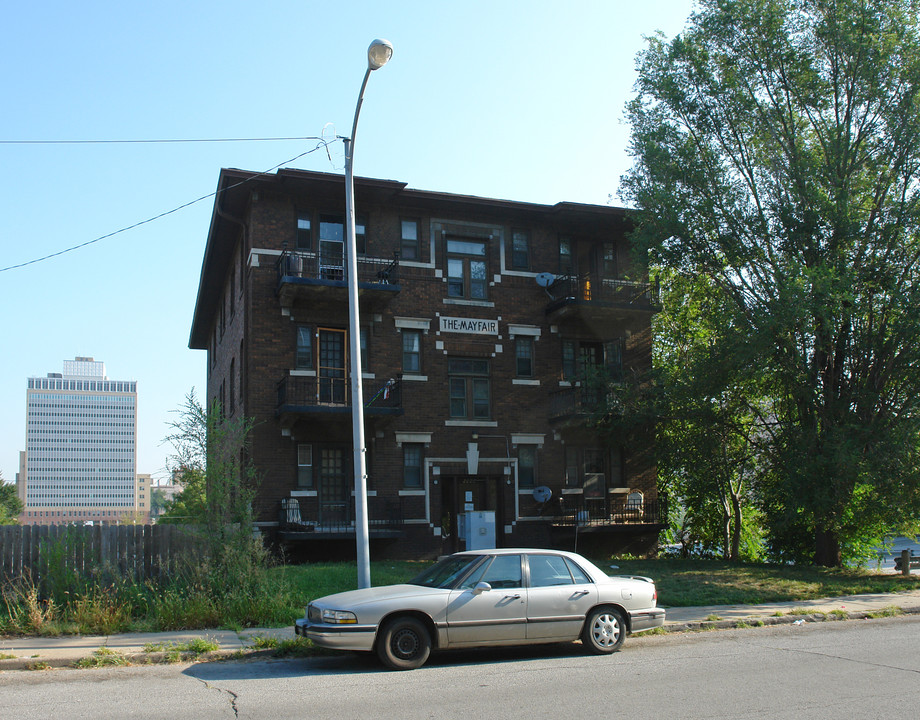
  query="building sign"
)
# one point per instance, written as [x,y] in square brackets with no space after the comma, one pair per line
[470,326]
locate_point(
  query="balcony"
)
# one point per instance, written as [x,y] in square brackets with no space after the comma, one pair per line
[299,396]
[317,278]
[578,401]
[595,299]
[311,519]
[595,514]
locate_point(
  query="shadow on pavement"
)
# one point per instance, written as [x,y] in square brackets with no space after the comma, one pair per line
[359,663]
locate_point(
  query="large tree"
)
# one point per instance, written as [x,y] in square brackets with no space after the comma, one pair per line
[776,148]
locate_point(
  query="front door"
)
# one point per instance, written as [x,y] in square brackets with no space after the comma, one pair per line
[559,597]
[495,615]
[333,488]
[460,494]
[331,367]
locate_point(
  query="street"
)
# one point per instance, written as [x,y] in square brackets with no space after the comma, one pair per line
[852,669]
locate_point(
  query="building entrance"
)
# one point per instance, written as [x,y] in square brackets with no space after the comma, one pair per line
[467,493]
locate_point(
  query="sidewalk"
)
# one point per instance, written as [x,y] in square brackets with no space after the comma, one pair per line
[35,653]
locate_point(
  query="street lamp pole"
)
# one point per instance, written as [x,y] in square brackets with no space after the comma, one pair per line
[379,52]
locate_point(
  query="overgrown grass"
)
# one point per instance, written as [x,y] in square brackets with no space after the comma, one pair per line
[244,591]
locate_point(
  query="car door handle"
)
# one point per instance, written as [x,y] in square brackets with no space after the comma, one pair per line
[513,597]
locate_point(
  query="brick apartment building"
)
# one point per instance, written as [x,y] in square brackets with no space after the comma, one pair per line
[480,320]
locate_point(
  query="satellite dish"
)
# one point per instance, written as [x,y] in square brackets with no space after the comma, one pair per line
[542,494]
[544,280]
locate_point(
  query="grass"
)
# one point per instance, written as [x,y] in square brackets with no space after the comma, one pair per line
[683,583]
[103,657]
[199,598]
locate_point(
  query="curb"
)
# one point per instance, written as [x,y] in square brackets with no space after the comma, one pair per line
[786,619]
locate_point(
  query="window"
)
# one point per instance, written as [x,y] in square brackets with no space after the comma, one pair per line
[549,571]
[523,356]
[520,250]
[304,239]
[409,246]
[362,340]
[581,358]
[566,263]
[305,465]
[527,466]
[411,351]
[304,356]
[609,259]
[361,235]
[467,275]
[469,388]
[412,465]
[585,467]
[331,247]
[503,572]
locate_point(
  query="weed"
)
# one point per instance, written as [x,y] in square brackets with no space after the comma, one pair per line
[264,642]
[38,666]
[7,656]
[889,611]
[839,614]
[713,618]
[743,624]
[295,647]
[198,646]
[103,657]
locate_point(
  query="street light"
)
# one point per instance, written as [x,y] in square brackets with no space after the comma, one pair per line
[379,52]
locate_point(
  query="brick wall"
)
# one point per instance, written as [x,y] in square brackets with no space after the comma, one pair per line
[259,342]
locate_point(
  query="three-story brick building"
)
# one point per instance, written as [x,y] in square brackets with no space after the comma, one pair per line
[481,321]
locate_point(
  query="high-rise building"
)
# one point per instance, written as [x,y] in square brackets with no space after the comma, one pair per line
[81,447]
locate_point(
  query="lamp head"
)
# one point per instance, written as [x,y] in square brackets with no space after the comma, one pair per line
[379,53]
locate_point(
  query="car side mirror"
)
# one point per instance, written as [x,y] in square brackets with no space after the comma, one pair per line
[481,587]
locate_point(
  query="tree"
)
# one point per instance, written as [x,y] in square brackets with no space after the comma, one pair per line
[776,148]
[10,504]
[715,419]
[211,464]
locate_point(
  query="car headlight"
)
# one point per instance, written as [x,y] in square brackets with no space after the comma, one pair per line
[338,617]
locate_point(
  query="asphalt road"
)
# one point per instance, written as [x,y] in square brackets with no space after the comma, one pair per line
[853,669]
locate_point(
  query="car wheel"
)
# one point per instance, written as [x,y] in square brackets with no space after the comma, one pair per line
[604,631]
[404,644]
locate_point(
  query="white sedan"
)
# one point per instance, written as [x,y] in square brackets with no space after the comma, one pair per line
[486,597]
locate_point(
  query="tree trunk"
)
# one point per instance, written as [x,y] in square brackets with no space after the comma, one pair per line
[736,527]
[827,548]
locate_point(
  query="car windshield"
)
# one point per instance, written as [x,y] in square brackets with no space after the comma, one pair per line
[445,573]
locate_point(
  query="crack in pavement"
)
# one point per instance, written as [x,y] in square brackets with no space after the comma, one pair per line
[830,656]
[233,696]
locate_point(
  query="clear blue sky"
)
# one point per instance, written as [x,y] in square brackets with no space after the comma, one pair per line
[515,100]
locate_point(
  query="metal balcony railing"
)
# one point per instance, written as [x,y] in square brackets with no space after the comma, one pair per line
[324,394]
[300,266]
[311,515]
[603,512]
[594,289]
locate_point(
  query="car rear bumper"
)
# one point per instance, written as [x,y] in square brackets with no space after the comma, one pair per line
[646,620]
[337,637]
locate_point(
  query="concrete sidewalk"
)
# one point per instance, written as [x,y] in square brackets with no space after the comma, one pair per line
[37,653]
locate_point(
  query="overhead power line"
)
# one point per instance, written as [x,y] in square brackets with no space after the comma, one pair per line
[139,142]
[321,144]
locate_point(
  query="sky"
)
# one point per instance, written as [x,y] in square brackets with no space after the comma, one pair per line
[514,100]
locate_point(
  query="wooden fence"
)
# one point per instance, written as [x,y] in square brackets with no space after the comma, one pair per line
[140,552]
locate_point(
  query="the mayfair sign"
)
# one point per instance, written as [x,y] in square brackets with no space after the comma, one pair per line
[469,326]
